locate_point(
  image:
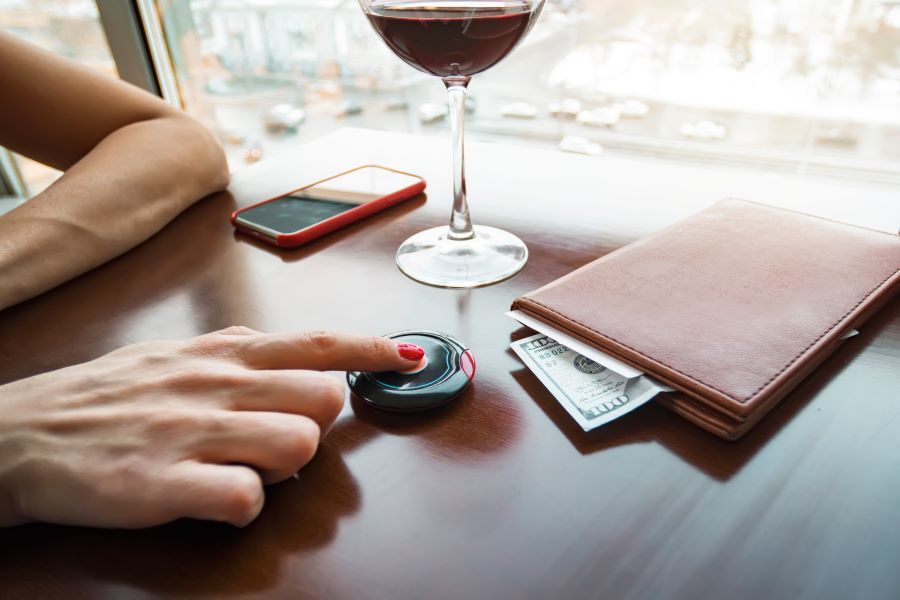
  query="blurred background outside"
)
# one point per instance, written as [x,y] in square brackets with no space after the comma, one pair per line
[808,86]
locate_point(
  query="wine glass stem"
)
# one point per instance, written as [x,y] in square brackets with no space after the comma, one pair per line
[460,223]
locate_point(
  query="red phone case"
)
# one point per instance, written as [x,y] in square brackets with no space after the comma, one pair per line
[297,238]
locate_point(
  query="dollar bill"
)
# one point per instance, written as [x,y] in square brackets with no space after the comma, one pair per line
[581,347]
[574,343]
[590,392]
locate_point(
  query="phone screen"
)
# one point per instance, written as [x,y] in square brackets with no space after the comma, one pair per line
[314,204]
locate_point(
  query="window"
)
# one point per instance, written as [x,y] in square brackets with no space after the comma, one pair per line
[801,85]
[267,75]
[809,85]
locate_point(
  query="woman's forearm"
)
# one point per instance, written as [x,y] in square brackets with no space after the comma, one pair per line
[119,194]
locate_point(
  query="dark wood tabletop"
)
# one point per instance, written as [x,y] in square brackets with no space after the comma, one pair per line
[498,494]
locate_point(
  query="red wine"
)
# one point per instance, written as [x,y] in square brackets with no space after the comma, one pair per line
[452,38]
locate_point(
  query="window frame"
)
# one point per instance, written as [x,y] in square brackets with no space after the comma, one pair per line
[11,181]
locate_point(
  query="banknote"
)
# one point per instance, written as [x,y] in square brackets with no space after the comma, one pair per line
[577,345]
[574,343]
[590,392]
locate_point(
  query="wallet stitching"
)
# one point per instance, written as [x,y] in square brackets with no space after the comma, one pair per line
[756,392]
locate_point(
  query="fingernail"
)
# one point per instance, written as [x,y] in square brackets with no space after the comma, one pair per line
[410,351]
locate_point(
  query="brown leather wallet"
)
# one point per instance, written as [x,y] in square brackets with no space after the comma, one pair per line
[732,306]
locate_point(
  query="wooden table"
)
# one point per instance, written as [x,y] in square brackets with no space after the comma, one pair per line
[500,494]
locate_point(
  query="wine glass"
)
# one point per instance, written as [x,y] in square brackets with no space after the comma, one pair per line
[455,39]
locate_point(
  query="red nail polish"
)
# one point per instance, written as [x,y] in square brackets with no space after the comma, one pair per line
[410,351]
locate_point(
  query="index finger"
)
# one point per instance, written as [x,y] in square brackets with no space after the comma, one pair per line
[327,351]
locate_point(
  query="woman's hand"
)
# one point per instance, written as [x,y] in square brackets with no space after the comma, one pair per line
[163,430]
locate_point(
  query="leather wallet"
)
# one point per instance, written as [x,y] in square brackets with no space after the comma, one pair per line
[732,307]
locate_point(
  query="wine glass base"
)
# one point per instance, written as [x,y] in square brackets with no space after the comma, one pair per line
[492,255]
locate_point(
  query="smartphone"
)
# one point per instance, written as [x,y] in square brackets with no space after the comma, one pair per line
[314,210]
